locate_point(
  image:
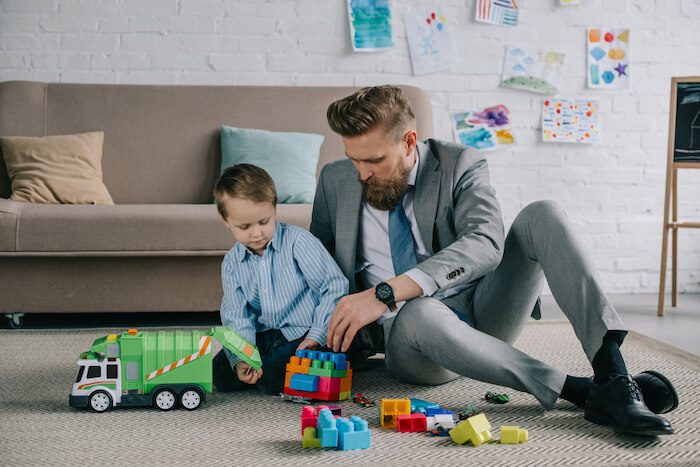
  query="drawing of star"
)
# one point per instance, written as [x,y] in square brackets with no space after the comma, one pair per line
[621,69]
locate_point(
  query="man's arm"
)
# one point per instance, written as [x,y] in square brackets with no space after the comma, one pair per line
[478,248]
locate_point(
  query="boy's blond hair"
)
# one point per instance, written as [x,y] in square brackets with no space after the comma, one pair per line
[245,181]
[369,108]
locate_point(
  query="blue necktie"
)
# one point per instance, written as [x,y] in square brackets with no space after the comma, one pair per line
[403,248]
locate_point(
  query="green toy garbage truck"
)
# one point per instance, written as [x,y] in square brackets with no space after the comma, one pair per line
[159,368]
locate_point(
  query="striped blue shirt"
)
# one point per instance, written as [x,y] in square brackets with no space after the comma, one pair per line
[294,287]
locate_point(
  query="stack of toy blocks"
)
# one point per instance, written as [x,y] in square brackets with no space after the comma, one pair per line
[321,429]
[476,429]
[318,375]
[413,415]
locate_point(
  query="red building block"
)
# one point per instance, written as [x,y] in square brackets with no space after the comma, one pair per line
[308,417]
[326,384]
[412,423]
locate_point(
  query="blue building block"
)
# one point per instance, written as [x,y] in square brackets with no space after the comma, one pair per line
[339,360]
[301,382]
[419,405]
[323,356]
[433,412]
[352,434]
[326,429]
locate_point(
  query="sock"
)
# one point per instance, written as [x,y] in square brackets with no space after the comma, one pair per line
[608,360]
[576,389]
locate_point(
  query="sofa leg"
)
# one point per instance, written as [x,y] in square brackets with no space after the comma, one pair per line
[16,320]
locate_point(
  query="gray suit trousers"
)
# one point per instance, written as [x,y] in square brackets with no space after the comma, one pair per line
[428,343]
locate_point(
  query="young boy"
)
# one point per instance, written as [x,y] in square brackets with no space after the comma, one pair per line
[280,284]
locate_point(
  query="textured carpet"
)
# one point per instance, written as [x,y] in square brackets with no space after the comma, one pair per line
[37,427]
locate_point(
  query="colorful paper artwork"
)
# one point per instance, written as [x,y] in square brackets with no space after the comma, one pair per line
[484,130]
[428,42]
[570,121]
[370,25]
[608,58]
[532,69]
[501,12]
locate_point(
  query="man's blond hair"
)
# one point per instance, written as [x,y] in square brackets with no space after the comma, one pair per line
[369,108]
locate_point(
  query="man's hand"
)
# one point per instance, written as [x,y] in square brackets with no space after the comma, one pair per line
[246,374]
[307,344]
[352,313]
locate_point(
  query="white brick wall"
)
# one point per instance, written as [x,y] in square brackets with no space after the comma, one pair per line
[613,191]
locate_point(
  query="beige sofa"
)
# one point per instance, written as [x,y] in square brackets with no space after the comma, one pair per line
[159,248]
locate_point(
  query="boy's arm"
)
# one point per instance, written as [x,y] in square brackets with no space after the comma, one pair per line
[324,277]
[234,306]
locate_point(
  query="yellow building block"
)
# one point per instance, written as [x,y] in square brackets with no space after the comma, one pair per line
[343,396]
[390,409]
[513,435]
[476,429]
[309,439]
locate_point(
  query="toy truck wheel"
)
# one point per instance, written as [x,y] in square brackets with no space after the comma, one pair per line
[164,399]
[190,399]
[100,401]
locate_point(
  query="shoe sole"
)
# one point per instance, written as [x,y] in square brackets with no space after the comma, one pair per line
[670,387]
[600,419]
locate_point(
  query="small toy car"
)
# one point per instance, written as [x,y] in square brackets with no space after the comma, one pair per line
[496,398]
[360,399]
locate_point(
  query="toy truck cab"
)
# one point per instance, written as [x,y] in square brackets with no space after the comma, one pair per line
[159,368]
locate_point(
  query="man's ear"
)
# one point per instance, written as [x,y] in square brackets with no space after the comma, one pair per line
[411,139]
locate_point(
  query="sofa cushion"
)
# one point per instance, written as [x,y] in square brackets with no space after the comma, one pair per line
[128,230]
[9,213]
[290,158]
[56,169]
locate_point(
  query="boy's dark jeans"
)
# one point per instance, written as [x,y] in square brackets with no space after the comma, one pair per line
[275,351]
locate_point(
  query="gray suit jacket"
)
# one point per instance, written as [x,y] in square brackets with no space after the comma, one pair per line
[456,210]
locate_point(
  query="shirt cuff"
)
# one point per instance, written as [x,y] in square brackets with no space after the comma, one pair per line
[317,335]
[423,280]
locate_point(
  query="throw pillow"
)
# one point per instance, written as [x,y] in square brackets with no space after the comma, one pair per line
[56,169]
[289,158]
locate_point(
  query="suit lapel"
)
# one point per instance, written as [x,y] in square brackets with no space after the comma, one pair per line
[427,191]
[347,222]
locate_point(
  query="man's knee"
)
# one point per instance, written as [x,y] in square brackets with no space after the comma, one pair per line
[544,214]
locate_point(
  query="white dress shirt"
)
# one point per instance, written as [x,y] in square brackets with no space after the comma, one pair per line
[374,252]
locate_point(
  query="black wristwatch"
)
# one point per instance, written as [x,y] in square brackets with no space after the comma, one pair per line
[385,294]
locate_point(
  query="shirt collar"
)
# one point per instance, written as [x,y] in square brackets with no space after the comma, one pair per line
[241,252]
[414,171]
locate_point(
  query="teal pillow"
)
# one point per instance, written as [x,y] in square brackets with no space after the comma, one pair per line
[289,158]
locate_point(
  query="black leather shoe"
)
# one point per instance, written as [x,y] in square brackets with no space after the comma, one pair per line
[658,392]
[619,403]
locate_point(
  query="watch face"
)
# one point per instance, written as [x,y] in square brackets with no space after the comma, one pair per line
[384,291]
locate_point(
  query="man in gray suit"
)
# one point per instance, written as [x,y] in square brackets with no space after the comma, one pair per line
[436,285]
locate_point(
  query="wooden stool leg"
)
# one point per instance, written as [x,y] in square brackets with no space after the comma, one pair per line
[674,242]
[664,244]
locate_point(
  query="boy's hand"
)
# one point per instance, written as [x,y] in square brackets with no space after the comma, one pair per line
[246,374]
[307,344]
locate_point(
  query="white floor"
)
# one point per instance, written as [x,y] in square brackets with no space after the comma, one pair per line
[679,327]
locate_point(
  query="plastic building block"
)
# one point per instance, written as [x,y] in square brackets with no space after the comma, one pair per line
[328,384]
[339,361]
[322,396]
[476,429]
[390,409]
[301,382]
[295,365]
[496,398]
[308,417]
[346,381]
[432,412]
[513,435]
[445,420]
[352,433]
[335,410]
[343,396]
[419,405]
[309,439]
[411,423]
[326,429]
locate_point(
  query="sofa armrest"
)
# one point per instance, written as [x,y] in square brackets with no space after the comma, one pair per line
[9,216]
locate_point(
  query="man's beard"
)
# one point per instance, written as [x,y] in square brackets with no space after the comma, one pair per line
[384,194]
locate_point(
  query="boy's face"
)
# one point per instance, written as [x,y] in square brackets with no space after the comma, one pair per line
[251,223]
[383,163]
